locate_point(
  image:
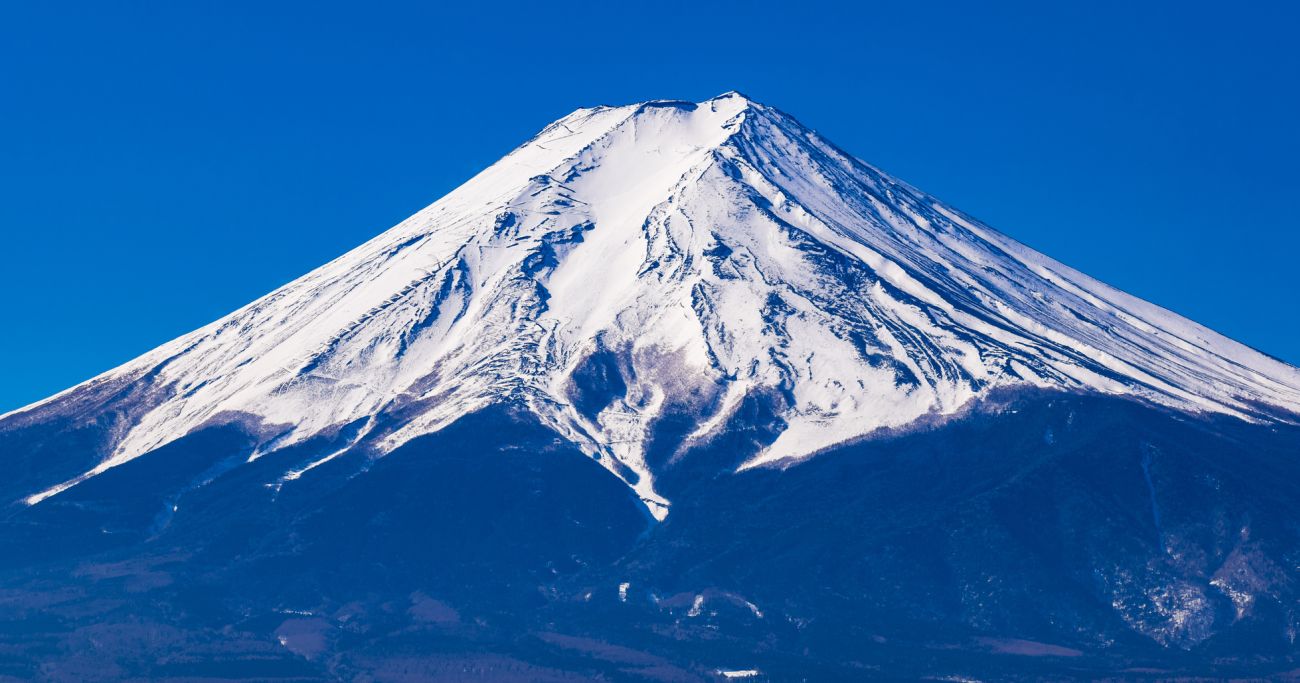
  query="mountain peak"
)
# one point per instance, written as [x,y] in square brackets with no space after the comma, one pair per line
[638,267]
[735,95]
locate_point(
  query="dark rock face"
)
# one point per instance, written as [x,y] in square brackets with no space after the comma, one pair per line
[1039,535]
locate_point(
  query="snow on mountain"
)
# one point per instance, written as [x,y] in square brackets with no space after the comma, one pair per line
[689,257]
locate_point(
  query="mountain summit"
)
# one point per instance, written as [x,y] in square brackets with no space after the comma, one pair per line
[634,266]
[673,392]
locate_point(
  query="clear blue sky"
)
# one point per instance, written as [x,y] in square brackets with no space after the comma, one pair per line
[164,163]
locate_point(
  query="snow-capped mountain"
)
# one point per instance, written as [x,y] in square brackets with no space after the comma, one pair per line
[436,457]
[634,263]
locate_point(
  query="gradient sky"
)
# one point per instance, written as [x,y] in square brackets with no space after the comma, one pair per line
[164,163]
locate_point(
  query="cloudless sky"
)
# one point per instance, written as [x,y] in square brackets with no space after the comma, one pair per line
[162,164]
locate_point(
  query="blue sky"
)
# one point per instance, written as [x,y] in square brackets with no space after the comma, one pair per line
[164,163]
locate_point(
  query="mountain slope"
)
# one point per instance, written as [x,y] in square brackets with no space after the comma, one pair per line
[706,257]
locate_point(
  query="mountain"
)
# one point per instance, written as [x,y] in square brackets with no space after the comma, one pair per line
[670,384]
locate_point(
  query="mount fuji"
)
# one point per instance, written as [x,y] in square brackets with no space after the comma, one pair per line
[673,391]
